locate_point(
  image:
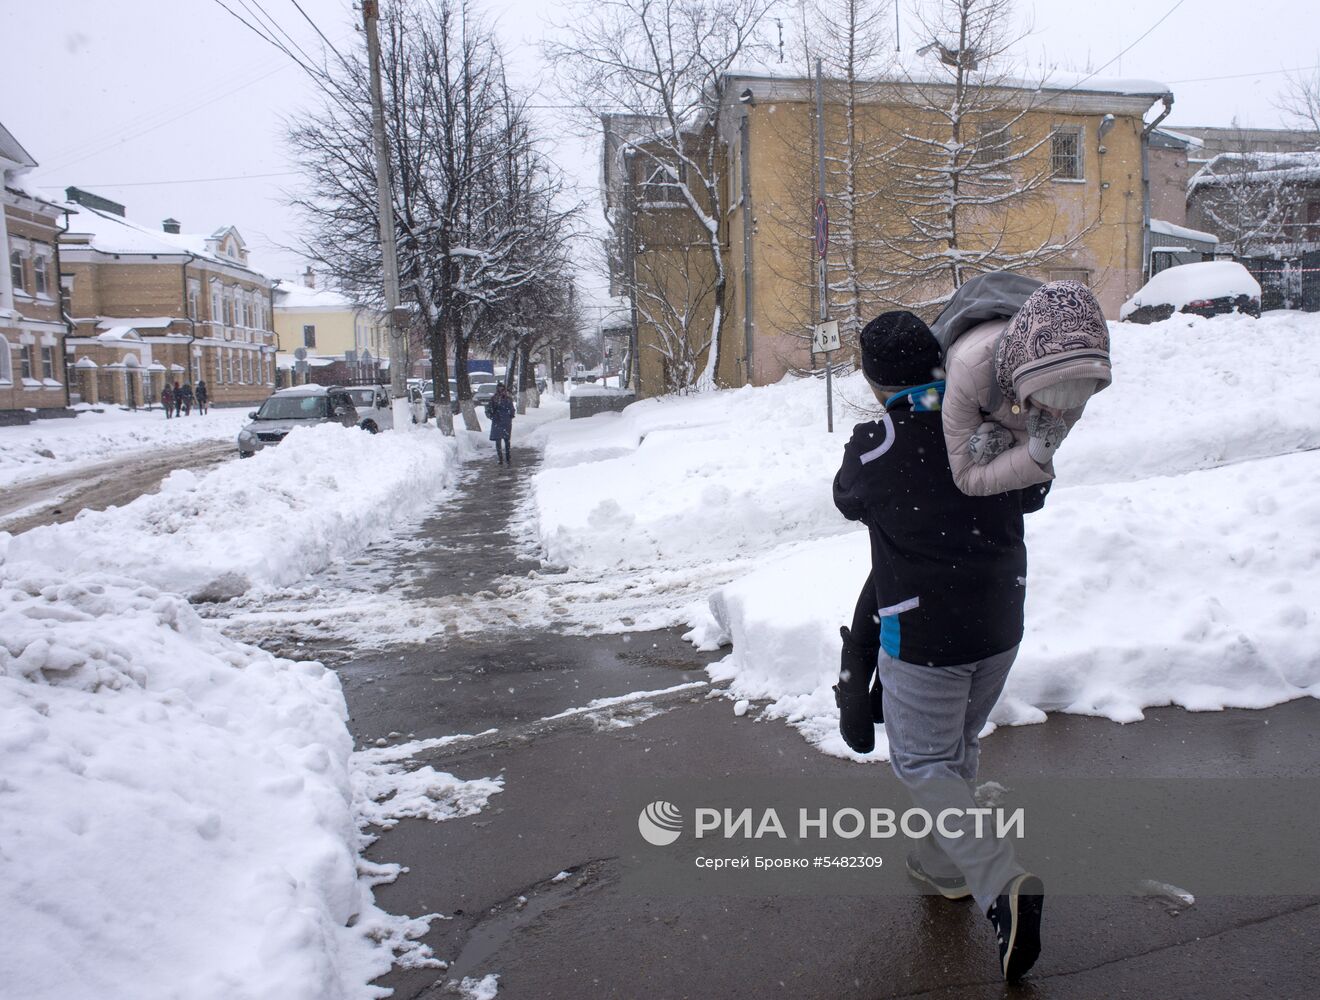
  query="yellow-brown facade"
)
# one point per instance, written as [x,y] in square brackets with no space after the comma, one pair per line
[154,309]
[766,139]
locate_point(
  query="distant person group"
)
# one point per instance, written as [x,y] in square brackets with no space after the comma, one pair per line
[178,400]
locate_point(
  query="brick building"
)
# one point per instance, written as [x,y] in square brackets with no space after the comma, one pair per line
[156,306]
[32,329]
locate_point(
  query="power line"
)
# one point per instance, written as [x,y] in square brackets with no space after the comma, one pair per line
[1121,53]
[190,180]
[1243,76]
[318,31]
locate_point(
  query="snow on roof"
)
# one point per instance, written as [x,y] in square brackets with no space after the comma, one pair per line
[12,150]
[1189,140]
[144,323]
[1186,283]
[293,295]
[111,233]
[118,333]
[1181,232]
[1232,168]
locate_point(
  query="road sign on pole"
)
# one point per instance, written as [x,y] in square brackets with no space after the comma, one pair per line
[822,228]
[826,338]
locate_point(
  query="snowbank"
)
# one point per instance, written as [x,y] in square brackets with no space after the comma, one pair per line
[45,447]
[1173,563]
[176,809]
[272,519]
[184,809]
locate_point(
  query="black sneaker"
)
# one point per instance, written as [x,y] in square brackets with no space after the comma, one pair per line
[948,886]
[1016,919]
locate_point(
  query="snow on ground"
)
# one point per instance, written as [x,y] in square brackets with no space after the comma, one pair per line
[273,519]
[1175,562]
[113,433]
[184,807]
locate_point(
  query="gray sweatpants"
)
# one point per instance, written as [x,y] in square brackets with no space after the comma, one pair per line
[932,717]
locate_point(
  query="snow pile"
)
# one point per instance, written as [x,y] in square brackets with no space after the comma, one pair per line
[176,809]
[184,808]
[45,447]
[273,519]
[1175,561]
[1177,286]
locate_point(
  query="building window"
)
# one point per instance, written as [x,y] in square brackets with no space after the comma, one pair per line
[6,362]
[194,293]
[16,271]
[39,279]
[309,335]
[993,144]
[215,305]
[661,188]
[48,363]
[25,363]
[1066,154]
[230,374]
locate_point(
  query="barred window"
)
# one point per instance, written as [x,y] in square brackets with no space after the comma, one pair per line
[1066,153]
[993,143]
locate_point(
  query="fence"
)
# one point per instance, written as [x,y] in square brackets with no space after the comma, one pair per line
[1287,282]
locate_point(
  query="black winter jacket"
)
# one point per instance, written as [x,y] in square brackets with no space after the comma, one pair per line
[949,569]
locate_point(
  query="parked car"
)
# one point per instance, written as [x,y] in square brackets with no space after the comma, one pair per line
[297,406]
[1206,289]
[372,403]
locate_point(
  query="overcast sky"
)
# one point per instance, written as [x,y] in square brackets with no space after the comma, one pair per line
[175,109]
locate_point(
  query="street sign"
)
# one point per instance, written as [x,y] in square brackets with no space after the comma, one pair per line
[300,353]
[822,228]
[826,338]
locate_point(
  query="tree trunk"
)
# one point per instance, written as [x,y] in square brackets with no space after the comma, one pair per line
[440,377]
[470,421]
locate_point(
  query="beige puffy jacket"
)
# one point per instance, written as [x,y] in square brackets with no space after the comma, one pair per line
[972,397]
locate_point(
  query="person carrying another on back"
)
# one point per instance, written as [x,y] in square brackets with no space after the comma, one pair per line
[501,411]
[948,574]
[1022,359]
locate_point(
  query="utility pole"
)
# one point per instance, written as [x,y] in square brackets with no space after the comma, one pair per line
[826,339]
[385,211]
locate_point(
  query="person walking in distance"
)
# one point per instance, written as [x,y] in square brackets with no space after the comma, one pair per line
[202,396]
[187,398]
[178,399]
[501,412]
[942,628]
[167,401]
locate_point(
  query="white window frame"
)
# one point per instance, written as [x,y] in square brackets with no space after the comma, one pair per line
[194,298]
[48,363]
[18,270]
[217,304]
[25,362]
[660,182]
[6,362]
[41,275]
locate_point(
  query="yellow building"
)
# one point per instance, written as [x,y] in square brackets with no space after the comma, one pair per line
[332,328]
[155,307]
[1077,152]
[32,376]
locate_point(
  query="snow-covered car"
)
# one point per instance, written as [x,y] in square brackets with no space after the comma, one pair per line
[297,406]
[1206,289]
[372,403]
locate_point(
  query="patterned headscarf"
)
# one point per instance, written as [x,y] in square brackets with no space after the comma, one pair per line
[1059,333]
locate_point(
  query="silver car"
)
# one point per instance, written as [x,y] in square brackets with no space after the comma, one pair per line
[298,406]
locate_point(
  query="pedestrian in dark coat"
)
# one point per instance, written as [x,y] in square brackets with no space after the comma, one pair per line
[940,624]
[187,398]
[178,399]
[203,397]
[167,401]
[501,412]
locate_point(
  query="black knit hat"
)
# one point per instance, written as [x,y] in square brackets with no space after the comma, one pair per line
[898,350]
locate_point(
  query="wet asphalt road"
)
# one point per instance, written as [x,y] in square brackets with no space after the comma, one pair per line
[589,935]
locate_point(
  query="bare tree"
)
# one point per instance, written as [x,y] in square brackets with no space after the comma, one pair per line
[1248,199]
[1300,101]
[662,61]
[474,201]
[966,161]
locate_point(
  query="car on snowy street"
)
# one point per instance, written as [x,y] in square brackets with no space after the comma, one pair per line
[372,403]
[1206,289]
[297,406]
